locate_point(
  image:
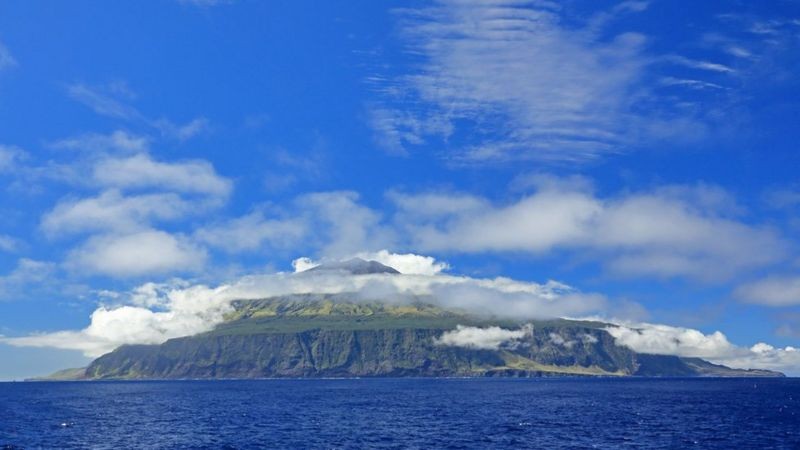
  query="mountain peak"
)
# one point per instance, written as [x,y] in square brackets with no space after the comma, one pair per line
[355,266]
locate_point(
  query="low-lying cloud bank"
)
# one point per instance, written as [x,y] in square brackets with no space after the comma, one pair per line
[715,347]
[153,312]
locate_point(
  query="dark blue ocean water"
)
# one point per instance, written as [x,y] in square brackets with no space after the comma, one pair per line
[404,413]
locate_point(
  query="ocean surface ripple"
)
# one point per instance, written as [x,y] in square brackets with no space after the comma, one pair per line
[403,413]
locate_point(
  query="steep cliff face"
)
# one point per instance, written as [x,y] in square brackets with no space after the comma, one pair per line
[308,336]
[319,353]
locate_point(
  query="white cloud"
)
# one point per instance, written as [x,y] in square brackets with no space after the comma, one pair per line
[101,103]
[111,211]
[700,64]
[8,243]
[668,340]
[153,313]
[771,291]
[10,157]
[303,263]
[117,141]
[190,311]
[559,340]
[528,85]
[342,225]
[782,198]
[405,263]
[434,205]
[674,231]
[489,338]
[408,263]
[544,81]
[27,272]
[182,132]
[694,84]
[107,100]
[148,252]
[252,232]
[141,171]
[7,60]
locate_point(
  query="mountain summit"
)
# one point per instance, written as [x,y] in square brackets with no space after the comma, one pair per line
[355,266]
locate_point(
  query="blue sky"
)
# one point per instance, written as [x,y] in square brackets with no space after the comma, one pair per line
[643,153]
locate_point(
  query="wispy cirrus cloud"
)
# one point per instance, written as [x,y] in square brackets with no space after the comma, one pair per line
[531,87]
[112,100]
[102,103]
[524,84]
[501,80]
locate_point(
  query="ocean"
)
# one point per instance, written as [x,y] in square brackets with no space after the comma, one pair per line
[546,413]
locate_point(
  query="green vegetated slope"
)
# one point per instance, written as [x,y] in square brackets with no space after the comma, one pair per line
[336,336]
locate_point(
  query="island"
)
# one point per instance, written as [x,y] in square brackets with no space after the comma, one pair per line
[339,335]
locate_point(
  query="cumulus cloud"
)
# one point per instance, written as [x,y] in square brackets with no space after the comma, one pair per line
[137,196]
[489,338]
[112,211]
[251,232]
[343,226]
[142,171]
[686,231]
[190,310]
[153,313]
[668,340]
[407,263]
[771,291]
[304,263]
[147,252]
